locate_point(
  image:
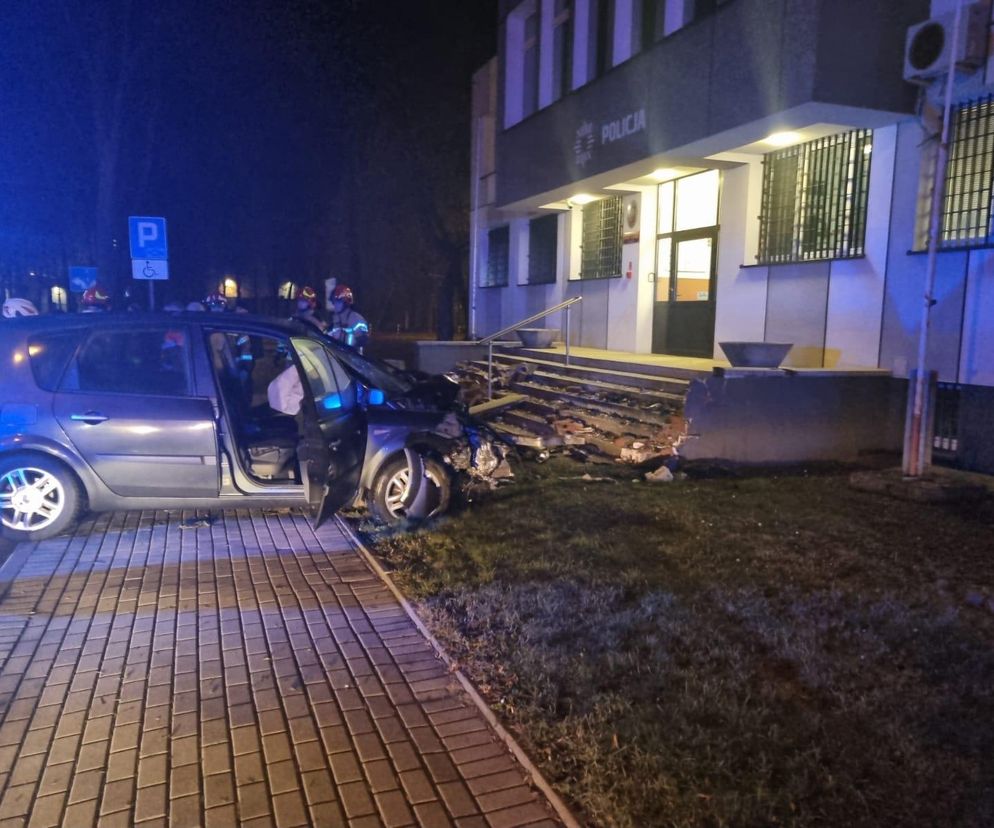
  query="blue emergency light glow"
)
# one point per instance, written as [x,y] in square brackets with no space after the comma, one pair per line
[376,396]
[332,401]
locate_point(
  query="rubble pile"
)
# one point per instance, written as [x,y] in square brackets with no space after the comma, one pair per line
[580,412]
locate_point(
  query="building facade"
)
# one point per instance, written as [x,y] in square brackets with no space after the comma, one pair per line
[723,170]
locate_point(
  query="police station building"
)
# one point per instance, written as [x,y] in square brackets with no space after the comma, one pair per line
[726,170]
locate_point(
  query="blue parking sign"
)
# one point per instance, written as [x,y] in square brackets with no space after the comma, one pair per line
[82,278]
[147,235]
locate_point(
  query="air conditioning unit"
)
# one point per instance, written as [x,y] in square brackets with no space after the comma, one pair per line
[929,45]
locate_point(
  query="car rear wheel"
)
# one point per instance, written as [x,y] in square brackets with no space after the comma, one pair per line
[386,502]
[39,497]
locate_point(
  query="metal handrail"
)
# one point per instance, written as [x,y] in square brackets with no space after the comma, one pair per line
[489,340]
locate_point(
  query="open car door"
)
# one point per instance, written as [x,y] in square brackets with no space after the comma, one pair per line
[333,445]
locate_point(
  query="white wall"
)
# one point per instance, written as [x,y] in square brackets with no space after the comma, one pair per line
[622,294]
[624,38]
[976,365]
[856,286]
[581,37]
[646,287]
[545,55]
[740,312]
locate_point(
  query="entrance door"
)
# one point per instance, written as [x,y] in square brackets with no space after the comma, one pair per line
[686,255]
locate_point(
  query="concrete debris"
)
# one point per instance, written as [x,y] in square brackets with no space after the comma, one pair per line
[611,421]
[660,475]
[639,455]
[587,478]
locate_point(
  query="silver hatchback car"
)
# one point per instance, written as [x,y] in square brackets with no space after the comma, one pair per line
[206,411]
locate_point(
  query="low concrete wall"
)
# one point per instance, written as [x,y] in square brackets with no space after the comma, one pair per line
[784,417]
[435,357]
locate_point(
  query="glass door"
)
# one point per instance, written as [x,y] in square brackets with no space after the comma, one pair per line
[686,251]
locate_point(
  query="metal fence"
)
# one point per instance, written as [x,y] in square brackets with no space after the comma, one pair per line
[946,434]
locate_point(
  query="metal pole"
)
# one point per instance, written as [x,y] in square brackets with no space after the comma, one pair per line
[490,370]
[567,334]
[917,440]
[151,295]
[474,242]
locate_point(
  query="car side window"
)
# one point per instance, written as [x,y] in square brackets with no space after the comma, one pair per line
[49,353]
[150,362]
[332,387]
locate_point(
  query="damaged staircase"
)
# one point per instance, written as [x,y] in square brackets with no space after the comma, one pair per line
[594,408]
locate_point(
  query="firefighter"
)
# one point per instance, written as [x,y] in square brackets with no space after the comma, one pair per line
[307,308]
[347,324]
[94,300]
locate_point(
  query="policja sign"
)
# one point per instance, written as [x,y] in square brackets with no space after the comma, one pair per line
[149,251]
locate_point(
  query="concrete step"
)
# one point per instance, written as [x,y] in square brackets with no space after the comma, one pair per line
[669,371]
[656,416]
[531,422]
[522,437]
[624,378]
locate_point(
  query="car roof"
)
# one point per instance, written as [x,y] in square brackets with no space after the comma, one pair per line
[75,321]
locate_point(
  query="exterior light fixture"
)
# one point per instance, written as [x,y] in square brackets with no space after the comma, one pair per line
[782,139]
[230,287]
[663,174]
[580,199]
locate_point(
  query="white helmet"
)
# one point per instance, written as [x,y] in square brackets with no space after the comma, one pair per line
[18,307]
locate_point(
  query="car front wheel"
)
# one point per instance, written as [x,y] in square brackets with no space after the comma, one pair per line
[387,500]
[39,497]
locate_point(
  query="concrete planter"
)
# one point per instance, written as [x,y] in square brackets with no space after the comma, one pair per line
[756,354]
[537,337]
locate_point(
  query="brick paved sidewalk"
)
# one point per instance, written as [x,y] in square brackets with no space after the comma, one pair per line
[248,673]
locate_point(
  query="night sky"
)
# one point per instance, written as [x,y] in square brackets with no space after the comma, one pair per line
[255,128]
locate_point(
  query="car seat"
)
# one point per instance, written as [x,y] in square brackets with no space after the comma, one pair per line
[267,450]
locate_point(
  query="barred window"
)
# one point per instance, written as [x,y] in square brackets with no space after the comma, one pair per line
[966,210]
[814,200]
[601,246]
[498,257]
[542,234]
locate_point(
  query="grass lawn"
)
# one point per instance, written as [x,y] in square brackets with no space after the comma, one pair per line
[776,649]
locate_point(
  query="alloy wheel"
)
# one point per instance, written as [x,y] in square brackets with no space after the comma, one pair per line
[30,499]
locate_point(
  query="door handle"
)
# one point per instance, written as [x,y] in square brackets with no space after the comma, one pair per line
[90,418]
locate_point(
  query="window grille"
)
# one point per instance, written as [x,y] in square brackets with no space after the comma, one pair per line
[966,212]
[542,234]
[814,200]
[601,249]
[498,257]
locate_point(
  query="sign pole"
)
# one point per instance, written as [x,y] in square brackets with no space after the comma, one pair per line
[151,295]
[916,441]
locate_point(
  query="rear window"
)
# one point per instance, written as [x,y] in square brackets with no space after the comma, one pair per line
[49,354]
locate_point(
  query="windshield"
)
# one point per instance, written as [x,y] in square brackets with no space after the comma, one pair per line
[372,372]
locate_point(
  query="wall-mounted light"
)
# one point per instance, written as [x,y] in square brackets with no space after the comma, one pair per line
[580,199]
[782,139]
[230,288]
[663,174]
